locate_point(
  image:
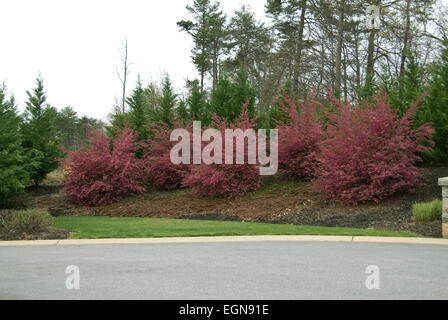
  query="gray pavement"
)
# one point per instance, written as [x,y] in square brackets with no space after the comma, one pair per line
[252,270]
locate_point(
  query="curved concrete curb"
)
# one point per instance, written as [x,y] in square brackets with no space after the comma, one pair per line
[350,239]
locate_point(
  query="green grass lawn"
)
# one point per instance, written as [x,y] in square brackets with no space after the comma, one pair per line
[105,227]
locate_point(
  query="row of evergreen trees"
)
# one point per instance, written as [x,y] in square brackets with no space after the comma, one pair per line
[224,100]
[30,142]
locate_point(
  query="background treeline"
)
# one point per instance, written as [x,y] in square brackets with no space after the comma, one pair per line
[304,46]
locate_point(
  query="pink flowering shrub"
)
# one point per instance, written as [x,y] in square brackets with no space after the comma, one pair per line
[161,172]
[226,180]
[106,172]
[299,134]
[223,180]
[370,153]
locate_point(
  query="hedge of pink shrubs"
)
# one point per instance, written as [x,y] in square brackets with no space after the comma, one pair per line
[352,154]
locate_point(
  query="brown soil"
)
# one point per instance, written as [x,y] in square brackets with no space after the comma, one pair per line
[49,234]
[279,201]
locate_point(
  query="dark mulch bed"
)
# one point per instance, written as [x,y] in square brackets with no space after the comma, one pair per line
[279,201]
[49,234]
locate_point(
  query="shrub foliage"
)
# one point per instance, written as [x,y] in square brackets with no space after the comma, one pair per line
[25,221]
[370,152]
[299,135]
[228,180]
[107,171]
[161,172]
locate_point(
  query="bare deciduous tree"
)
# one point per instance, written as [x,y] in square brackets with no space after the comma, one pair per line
[125,72]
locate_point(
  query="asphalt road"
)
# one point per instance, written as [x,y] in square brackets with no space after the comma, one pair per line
[266,270]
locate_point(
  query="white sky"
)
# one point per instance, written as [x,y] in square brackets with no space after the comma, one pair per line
[75,45]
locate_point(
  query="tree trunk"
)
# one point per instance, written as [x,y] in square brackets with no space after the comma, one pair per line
[371,52]
[339,49]
[298,60]
[371,57]
[406,37]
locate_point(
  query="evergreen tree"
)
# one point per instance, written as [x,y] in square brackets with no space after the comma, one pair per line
[195,106]
[209,36]
[413,82]
[198,103]
[268,119]
[13,162]
[166,103]
[229,96]
[249,43]
[436,104]
[68,126]
[368,89]
[182,111]
[290,20]
[39,133]
[137,116]
[404,91]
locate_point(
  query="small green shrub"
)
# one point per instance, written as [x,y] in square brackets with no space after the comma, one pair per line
[25,221]
[428,211]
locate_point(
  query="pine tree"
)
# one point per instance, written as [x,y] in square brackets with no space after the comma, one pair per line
[13,162]
[409,88]
[275,113]
[249,42]
[166,103]
[40,138]
[229,96]
[290,20]
[435,110]
[67,124]
[138,111]
[209,36]
[182,111]
[198,104]
[195,106]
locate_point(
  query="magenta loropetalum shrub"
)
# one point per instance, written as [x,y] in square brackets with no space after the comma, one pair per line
[298,136]
[223,180]
[161,172]
[370,153]
[226,180]
[105,172]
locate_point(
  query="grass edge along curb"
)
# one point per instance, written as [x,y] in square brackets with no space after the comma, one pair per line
[118,228]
